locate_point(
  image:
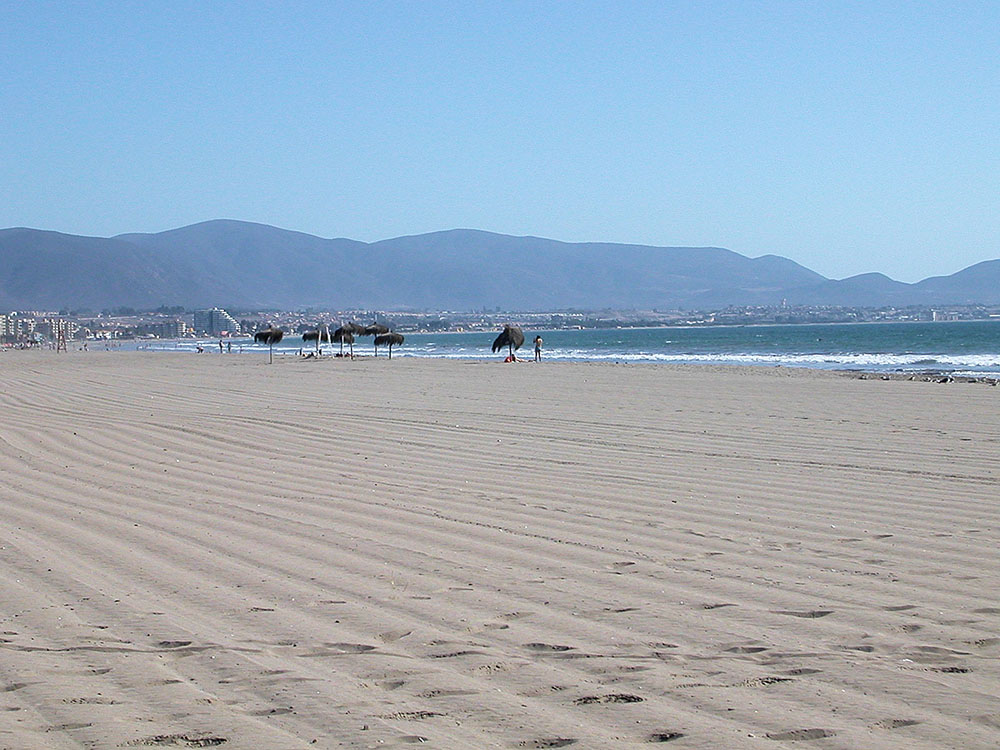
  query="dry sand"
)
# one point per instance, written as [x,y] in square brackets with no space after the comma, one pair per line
[204,550]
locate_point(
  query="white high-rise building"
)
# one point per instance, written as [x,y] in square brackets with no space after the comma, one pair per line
[215,322]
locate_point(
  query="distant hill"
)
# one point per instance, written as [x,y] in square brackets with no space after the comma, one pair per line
[244,264]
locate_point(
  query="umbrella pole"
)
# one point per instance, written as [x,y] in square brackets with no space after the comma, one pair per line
[270,354]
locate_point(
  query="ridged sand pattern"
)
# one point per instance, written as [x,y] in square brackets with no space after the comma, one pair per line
[208,551]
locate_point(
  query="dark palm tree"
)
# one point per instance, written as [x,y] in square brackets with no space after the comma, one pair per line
[511,337]
[390,339]
[269,336]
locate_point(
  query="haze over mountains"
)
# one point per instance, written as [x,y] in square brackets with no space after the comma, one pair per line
[243,264]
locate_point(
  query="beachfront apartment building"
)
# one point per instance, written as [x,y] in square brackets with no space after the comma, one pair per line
[167,329]
[215,322]
[16,328]
[53,327]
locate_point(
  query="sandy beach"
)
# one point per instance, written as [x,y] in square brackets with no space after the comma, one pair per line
[205,550]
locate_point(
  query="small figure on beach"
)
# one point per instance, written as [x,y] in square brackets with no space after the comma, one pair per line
[229,347]
[538,348]
[220,346]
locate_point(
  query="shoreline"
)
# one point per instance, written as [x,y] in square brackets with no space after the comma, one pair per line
[925,375]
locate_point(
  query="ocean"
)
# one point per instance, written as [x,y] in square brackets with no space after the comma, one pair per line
[959,348]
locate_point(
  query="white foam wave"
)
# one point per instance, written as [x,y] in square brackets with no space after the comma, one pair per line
[978,364]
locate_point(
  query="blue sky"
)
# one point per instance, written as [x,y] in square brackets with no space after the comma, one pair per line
[848,136]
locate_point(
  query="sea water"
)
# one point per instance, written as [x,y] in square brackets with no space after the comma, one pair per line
[960,348]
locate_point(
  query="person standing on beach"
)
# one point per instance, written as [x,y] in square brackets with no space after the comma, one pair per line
[538,348]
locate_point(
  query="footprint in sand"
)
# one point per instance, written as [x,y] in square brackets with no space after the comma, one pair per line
[70,727]
[941,650]
[411,715]
[393,635]
[763,681]
[554,742]
[809,614]
[547,647]
[514,615]
[801,734]
[177,740]
[951,670]
[664,736]
[441,693]
[900,608]
[271,712]
[894,723]
[612,698]
[619,568]
[453,654]
[337,649]
[745,649]
[496,667]
[351,648]
[984,642]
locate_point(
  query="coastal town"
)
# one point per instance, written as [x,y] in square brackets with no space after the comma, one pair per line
[30,328]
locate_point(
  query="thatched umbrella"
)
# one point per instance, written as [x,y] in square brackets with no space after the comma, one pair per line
[345,335]
[511,337]
[321,334]
[269,336]
[375,329]
[390,339]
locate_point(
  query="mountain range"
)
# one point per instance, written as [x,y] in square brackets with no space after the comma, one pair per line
[242,264]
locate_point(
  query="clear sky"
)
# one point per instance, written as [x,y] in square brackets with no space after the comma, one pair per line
[848,136]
